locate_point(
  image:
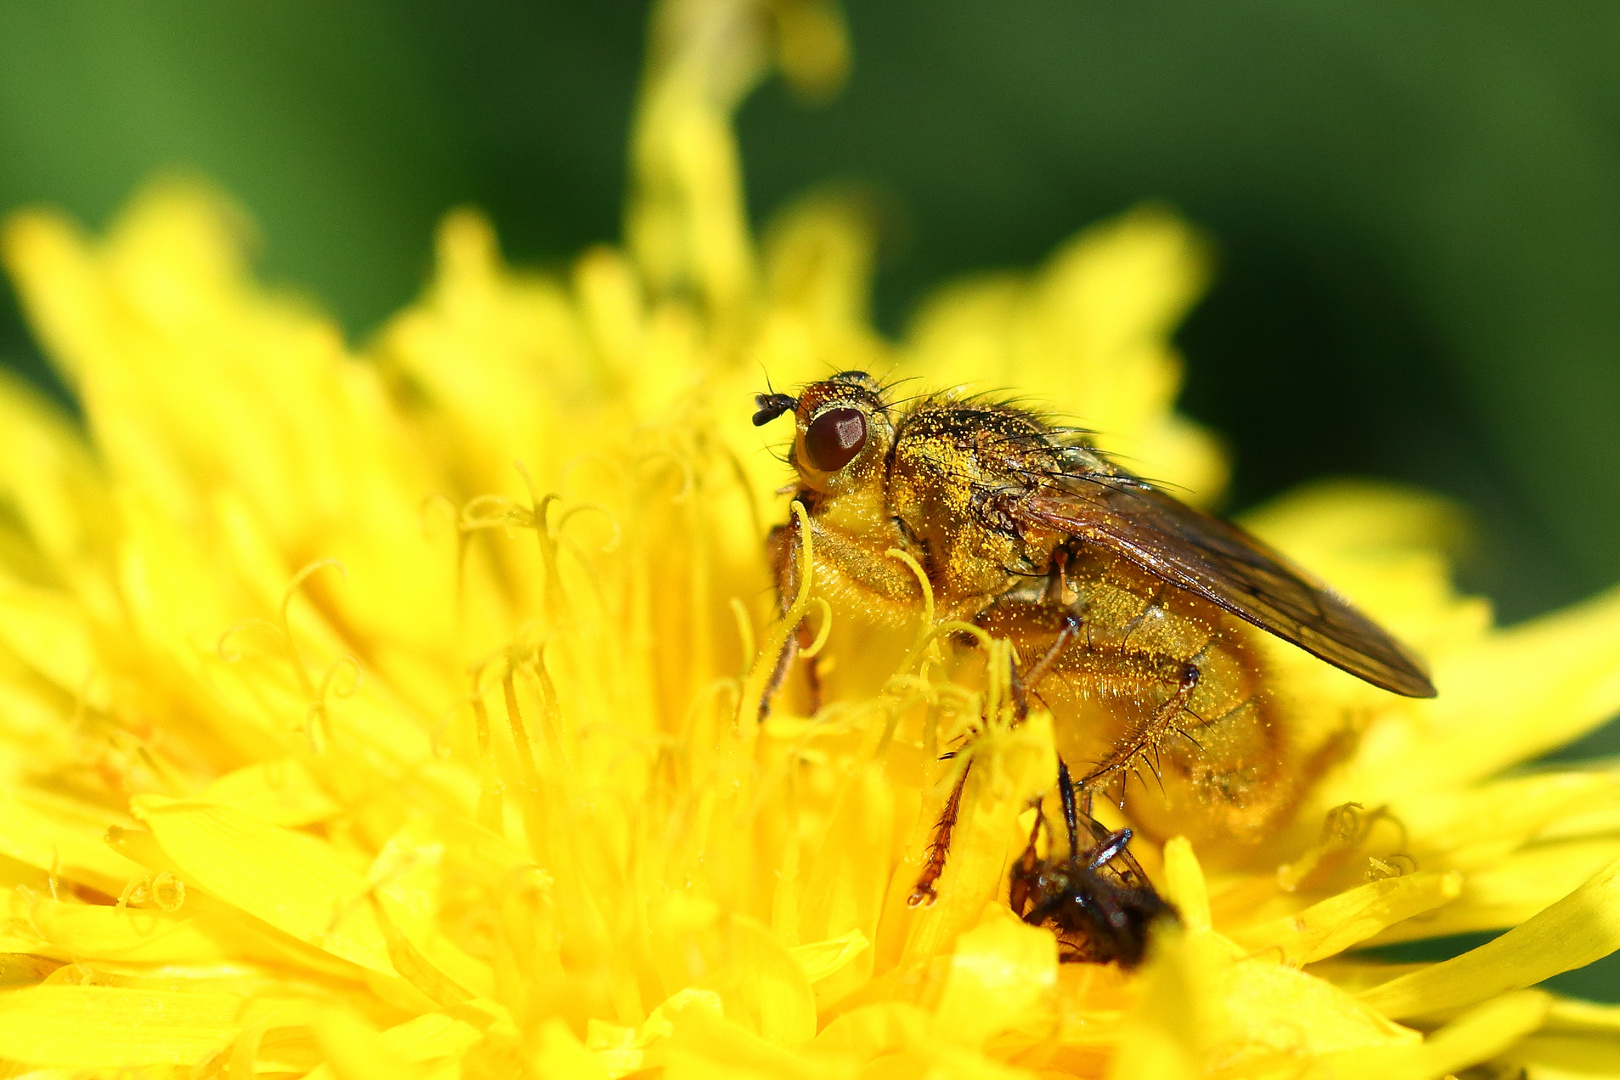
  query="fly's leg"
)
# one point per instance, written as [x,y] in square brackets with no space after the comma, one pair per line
[782,545]
[864,565]
[1021,881]
[1183,675]
[1024,681]
[939,848]
[934,864]
[1071,812]
[1122,668]
[1112,847]
[1068,632]
[796,642]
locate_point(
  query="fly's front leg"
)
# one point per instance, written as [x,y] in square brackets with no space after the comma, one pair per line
[783,546]
[797,641]
[851,567]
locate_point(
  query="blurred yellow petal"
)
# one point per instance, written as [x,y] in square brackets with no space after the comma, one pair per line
[560,1054]
[1000,973]
[1512,890]
[766,991]
[1185,886]
[50,483]
[107,1027]
[1164,1037]
[94,932]
[1087,336]
[355,1051]
[62,837]
[281,792]
[1571,683]
[1565,1057]
[1477,1035]
[823,959]
[49,634]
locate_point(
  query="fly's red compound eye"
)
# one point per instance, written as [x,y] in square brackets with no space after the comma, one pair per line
[834,438]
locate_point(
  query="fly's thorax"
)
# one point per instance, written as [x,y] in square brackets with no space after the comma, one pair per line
[948,469]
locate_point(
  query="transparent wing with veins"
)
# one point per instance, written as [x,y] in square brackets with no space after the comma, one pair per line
[1223,564]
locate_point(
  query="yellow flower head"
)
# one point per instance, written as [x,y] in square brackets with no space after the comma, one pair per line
[394,713]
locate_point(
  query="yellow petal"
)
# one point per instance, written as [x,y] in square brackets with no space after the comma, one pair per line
[1163,1037]
[870,1031]
[1335,924]
[703,1042]
[1564,1057]
[764,990]
[1477,1035]
[999,974]
[1581,928]
[47,476]
[1476,827]
[843,891]
[822,959]
[1008,768]
[1512,890]
[63,837]
[1523,692]
[105,1027]
[356,1051]
[1086,335]
[1269,1010]
[46,629]
[435,1035]
[1184,884]
[1582,1017]
[281,792]
[559,1053]
[96,932]
[292,881]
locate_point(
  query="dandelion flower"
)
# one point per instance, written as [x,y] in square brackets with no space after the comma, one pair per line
[392,713]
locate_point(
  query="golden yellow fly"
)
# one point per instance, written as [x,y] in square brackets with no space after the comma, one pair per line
[1132,611]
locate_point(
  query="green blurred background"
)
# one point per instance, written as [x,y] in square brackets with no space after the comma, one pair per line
[1417,206]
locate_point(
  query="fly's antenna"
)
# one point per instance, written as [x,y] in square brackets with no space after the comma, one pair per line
[1071,818]
[769,406]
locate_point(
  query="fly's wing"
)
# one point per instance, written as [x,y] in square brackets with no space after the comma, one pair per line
[1223,564]
[1123,867]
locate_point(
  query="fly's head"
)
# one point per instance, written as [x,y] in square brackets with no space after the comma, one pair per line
[843,433]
